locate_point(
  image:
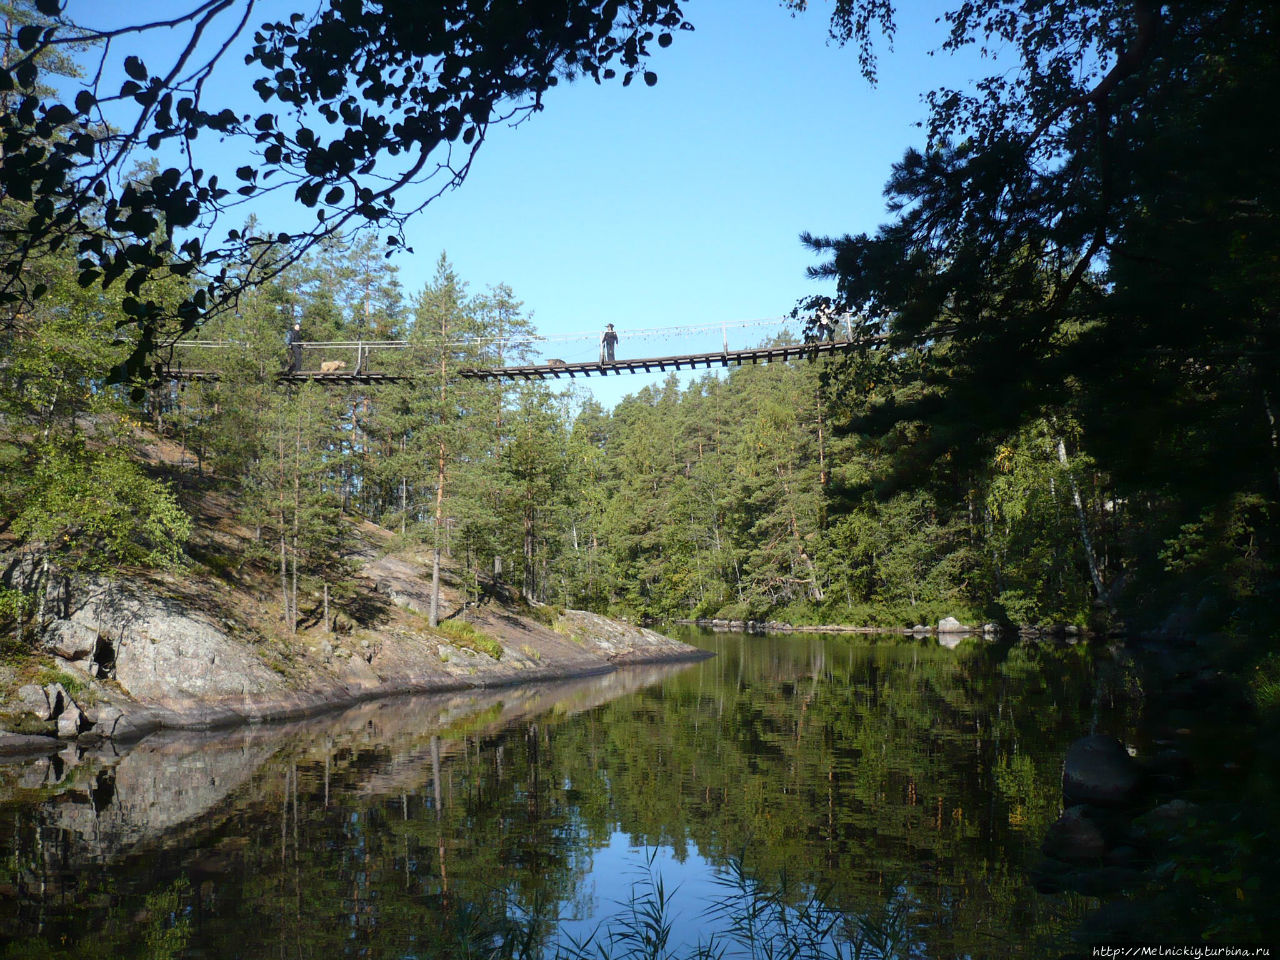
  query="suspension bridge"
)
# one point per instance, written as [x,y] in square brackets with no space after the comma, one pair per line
[335,363]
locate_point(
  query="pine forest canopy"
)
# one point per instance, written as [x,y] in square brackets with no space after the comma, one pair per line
[1084,245]
[1087,240]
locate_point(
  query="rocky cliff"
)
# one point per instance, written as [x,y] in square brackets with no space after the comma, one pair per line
[126,656]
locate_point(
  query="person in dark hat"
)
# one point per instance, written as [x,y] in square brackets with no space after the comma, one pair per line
[608,340]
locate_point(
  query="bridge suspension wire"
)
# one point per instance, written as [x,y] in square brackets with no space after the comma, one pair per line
[632,333]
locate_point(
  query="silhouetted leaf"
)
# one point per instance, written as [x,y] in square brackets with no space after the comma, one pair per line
[28,36]
[25,73]
[135,68]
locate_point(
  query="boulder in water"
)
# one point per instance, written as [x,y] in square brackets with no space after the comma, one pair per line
[1075,838]
[1099,770]
[1165,820]
[70,720]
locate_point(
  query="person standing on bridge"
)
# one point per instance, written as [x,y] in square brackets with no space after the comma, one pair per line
[293,339]
[608,340]
[827,325]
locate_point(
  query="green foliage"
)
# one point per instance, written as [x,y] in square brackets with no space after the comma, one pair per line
[1102,313]
[72,486]
[1265,684]
[15,605]
[74,685]
[463,634]
[676,506]
[169,928]
[95,510]
[548,614]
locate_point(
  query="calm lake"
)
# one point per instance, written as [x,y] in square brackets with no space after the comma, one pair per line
[827,794]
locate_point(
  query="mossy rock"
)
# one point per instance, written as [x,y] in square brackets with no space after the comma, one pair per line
[28,725]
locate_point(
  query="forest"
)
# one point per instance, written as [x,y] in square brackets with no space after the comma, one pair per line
[1071,419]
[742,496]
[1065,412]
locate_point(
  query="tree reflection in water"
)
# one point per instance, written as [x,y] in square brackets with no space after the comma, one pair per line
[794,796]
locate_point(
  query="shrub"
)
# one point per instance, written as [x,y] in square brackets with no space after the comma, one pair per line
[75,686]
[547,613]
[462,634]
[15,605]
[1266,684]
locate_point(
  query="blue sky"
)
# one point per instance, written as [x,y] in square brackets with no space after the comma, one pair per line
[679,204]
[682,204]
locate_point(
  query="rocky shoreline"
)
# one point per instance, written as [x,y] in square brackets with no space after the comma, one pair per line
[128,657]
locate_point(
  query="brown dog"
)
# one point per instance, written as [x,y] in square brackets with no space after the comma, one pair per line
[333,366]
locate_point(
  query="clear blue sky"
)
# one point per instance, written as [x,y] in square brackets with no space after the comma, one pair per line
[682,204]
[674,205]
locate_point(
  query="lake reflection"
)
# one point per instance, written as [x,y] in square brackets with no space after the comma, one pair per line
[893,783]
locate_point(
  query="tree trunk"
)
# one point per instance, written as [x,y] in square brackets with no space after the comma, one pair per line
[1085,540]
[433,618]
[42,593]
[823,477]
[1275,439]
[284,570]
[284,535]
[815,589]
[528,550]
[293,604]
[297,510]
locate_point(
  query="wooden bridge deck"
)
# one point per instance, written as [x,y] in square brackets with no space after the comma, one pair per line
[691,361]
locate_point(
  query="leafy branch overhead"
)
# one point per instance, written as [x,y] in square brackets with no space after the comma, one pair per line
[361,102]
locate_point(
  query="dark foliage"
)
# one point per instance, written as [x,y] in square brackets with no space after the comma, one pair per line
[1091,233]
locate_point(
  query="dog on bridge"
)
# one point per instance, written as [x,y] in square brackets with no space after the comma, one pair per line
[333,366]
[556,362]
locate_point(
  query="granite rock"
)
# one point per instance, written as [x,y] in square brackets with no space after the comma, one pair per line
[34,700]
[70,639]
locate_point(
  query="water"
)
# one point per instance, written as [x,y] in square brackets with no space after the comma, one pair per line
[887,793]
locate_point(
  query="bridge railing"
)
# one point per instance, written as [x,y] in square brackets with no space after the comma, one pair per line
[218,357]
[317,357]
[352,356]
